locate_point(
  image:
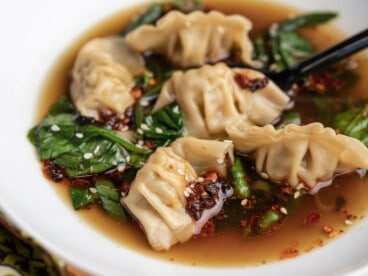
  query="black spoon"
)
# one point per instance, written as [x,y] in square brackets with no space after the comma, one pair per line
[286,78]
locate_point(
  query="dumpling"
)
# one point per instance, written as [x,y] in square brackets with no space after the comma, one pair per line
[214,96]
[204,154]
[102,76]
[194,39]
[309,154]
[157,196]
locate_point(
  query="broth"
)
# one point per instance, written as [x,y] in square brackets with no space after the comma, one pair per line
[294,237]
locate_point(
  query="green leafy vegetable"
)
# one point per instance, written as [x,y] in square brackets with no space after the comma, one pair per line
[105,192]
[150,16]
[156,10]
[354,123]
[310,19]
[163,126]
[289,118]
[238,175]
[82,197]
[110,199]
[282,46]
[187,5]
[82,149]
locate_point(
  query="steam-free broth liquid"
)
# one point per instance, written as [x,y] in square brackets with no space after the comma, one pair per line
[229,247]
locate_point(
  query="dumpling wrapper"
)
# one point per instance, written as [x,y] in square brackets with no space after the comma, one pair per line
[193,39]
[307,154]
[102,76]
[156,197]
[210,99]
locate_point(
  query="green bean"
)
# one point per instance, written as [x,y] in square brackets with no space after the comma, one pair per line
[270,218]
[238,174]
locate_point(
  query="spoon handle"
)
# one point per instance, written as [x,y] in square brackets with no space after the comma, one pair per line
[333,54]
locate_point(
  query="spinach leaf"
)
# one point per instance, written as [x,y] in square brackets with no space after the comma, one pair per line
[187,5]
[150,16]
[163,126]
[82,149]
[291,117]
[82,197]
[110,199]
[156,10]
[354,123]
[281,46]
[105,192]
[308,19]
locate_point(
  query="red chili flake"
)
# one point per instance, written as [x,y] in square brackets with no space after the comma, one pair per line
[136,93]
[210,176]
[312,218]
[319,242]
[207,230]
[125,187]
[253,84]
[287,190]
[289,252]
[243,223]
[148,144]
[53,172]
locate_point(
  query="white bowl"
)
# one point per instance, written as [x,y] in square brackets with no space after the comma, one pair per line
[34,33]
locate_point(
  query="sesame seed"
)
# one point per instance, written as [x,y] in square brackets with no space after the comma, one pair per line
[264,175]
[93,190]
[186,194]
[121,167]
[220,29]
[351,65]
[348,222]
[283,210]
[204,194]
[123,194]
[187,178]
[180,171]
[96,149]
[139,146]
[55,128]
[140,131]
[243,189]
[300,186]
[141,142]
[176,109]
[244,202]
[200,179]
[220,161]
[297,194]
[79,135]
[88,155]
[144,127]
[141,163]
[158,130]
[128,158]
[125,128]
[273,29]
[144,103]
